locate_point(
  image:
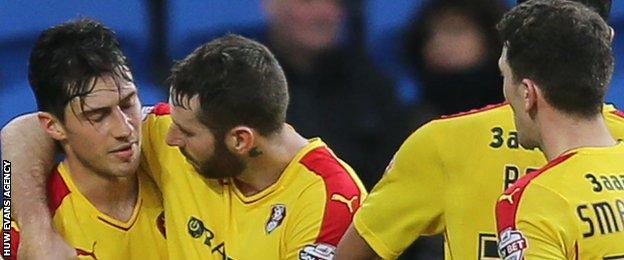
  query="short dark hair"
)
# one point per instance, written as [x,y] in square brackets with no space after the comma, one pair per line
[238,82]
[564,47]
[68,58]
[602,7]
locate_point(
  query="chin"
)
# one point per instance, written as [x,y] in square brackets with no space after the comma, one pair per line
[125,169]
[212,174]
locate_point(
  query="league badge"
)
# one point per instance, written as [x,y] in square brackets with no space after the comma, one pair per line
[317,252]
[512,244]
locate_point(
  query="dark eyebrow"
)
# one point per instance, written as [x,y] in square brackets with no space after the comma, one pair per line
[91,110]
[129,95]
[95,110]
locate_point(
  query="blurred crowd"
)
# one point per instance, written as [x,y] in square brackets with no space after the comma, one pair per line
[362,98]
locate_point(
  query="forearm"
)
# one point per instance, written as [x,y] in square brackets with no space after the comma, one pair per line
[353,246]
[31,153]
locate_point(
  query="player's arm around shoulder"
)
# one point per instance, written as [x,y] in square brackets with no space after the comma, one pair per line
[156,122]
[30,153]
[534,222]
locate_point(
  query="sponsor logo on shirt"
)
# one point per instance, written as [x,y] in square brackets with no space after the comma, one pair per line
[198,230]
[317,251]
[278,213]
[509,197]
[512,244]
[87,253]
[341,198]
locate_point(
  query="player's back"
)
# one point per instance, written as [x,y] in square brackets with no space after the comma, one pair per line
[481,157]
[449,174]
[573,208]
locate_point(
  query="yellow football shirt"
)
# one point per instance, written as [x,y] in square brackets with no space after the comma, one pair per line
[304,214]
[573,208]
[446,178]
[96,235]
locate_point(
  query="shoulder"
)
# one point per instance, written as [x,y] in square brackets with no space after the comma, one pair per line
[500,113]
[615,121]
[335,175]
[609,110]
[470,121]
[58,189]
[338,184]
[508,204]
[159,109]
[463,129]
[152,113]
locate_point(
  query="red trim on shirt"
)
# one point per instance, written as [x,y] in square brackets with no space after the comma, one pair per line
[343,194]
[618,113]
[161,109]
[507,205]
[474,111]
[15,238]
[57,190]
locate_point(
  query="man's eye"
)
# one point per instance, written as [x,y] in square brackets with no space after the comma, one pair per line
[187,134]
[96,118]
[127,105]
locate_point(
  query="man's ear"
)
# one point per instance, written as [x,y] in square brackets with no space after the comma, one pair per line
[529,93]
[612,34]
[241,140]
[52,125]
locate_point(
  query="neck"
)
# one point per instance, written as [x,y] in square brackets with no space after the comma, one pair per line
[299,59]
[113,196]
[564,133]
[263,171]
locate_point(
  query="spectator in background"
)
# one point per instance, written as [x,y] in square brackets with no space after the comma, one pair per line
[453,49]
[335,90]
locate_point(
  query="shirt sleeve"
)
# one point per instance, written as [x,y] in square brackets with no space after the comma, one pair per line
[322,214]
[155,151]
[409,199]
[306,223]
[540,228]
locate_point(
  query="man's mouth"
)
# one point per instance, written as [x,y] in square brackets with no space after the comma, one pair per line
[124,151]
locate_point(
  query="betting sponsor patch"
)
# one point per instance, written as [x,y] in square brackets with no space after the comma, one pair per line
[512,244]
[317,252]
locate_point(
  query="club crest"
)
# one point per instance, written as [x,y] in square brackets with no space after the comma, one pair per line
[278,213]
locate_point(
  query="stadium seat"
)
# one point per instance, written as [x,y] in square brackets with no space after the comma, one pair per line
[22,21]
[615,94]
[385,23]
[190,18]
